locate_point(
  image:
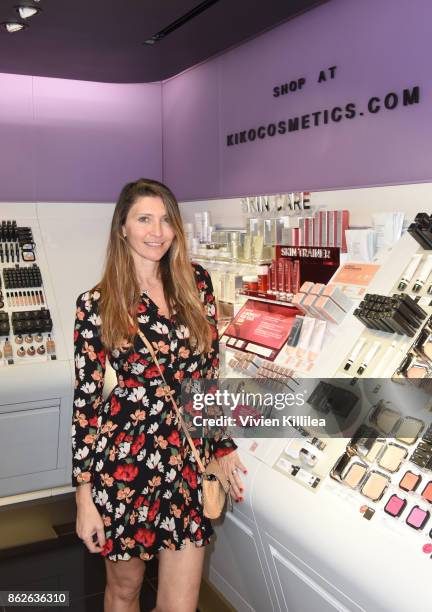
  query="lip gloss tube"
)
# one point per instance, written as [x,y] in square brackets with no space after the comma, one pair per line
[409,272]
[369,356]
[423,275]
[355,353]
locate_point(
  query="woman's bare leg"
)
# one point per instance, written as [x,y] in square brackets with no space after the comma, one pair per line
[179,579]
[124,582]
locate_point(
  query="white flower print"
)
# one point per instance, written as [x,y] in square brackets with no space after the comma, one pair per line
[160,328]
[137,394]
[82,453]
[120,510]
[168,524]
[79,402]
[101,444]
[153,460]
[88,334]
[167,495]
[169,476]
[137,368]
[88,387]
[153,427]
[109,507]
[124,450]
[141,454]
[182,331]
[101,498]
[124,557]
[99,465]
[120,528]
[192,367]
[156,408]
[79,361]
[142,514]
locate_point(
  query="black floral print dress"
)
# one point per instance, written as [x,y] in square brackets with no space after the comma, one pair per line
[144,479]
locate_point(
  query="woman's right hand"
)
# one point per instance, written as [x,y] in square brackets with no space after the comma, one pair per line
[89,524]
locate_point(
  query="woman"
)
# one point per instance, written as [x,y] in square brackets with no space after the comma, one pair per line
[138,487]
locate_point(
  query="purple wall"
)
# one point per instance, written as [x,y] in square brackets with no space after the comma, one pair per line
[76,141]
[379,47]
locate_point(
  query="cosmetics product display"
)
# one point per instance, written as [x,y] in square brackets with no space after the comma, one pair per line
[326,302]
[421,230]
[398,314]
[25,320]
[417,276]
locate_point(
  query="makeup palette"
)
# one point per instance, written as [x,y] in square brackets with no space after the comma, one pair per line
[417,518]
[408,430]
[354,473]
[410,481]
[395,506]
[375,485]
[427,492]
[392,456]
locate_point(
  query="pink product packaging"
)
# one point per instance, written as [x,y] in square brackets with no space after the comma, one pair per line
[309,302]
[298,300]
[338,296]
[317,288]
[329,309]
[323,227]
[307,287]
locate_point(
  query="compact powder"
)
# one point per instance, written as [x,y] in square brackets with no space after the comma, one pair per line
[417,371]
[417,518]
[427,492]
[386,419]
[408,430]
[375,485]
[392,457]
[410,481]
[354,474]
[395,506]
[375,451]
[427,349]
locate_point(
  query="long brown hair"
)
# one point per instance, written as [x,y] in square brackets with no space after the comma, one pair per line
[119,288]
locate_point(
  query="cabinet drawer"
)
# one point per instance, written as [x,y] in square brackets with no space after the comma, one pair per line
[29,441]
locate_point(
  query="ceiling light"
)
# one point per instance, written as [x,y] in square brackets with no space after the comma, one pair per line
[27,11]
[13,26]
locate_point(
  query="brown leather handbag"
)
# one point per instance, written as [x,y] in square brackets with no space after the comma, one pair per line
[215,485]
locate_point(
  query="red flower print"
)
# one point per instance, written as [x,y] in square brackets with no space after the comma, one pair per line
[145,536]
[115,406]
[133,357]
[154,509]
[201,285]
[107,549]
[93,421]
[139,501]
[138,444]
[131,382]
[126,472]
[196,374]
[101,356]
[190,476]
[120,438]
[141,308]
[152,371]
[220,452]
[174,438]
[198,534]
[76,334]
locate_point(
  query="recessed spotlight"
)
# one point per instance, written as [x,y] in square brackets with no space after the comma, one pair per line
[25,12]
[13,26]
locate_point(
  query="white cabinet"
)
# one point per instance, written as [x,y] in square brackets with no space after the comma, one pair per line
[300,589]
[236,569]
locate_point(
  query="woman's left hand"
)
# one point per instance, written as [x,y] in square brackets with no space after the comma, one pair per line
[231,466]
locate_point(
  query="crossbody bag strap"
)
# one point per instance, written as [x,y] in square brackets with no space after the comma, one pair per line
[174,403]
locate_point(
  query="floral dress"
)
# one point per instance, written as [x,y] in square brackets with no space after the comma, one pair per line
[144,479]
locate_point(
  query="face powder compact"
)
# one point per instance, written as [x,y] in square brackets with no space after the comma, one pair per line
[392,457]
[408,430]
[395,506]
[375,485]
[385,418]
[427,492]
[417,518]
[375,450]
[410,481]
[354,473]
